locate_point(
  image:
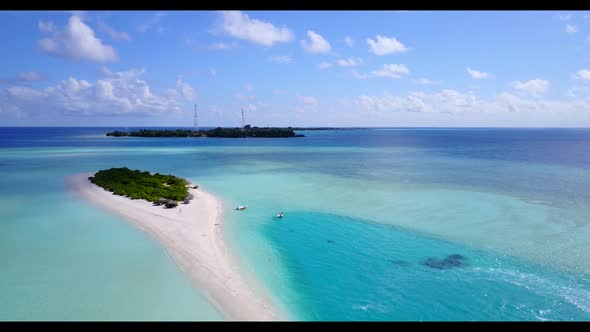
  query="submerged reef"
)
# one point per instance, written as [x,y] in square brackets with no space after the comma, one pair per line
[451,261]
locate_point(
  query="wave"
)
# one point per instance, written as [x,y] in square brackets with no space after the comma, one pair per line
[573,294]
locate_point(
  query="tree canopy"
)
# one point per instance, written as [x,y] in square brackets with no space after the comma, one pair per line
[247,131]
[136,184]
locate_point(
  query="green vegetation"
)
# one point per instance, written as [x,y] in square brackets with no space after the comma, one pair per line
[157,133]
[247,131]
[136,184]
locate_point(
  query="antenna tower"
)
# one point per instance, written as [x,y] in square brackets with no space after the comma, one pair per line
[196,123]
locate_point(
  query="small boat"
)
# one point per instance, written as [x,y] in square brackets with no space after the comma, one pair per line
[242,207]
[280,215]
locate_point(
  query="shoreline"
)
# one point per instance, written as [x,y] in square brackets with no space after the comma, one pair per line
[193,238]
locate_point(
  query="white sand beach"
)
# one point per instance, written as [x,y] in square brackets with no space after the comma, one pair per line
[193,236]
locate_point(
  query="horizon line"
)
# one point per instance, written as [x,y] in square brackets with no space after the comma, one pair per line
[310,127]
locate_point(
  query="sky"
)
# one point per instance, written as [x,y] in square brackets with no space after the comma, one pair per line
[295,68]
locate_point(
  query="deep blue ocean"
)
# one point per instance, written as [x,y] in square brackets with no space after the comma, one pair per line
[380,224]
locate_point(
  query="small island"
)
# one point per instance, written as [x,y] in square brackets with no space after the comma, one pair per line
[157,188]
[192,234]
[246,131]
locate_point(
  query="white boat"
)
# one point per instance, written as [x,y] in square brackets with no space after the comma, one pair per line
[242,207]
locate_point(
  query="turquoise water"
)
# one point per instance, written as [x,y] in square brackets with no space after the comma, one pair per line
[376,272]
[364,210]
[64,259]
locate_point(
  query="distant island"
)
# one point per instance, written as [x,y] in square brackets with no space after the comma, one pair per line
[246,131]
[160,189]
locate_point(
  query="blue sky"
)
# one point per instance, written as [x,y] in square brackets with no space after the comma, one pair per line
[296,68]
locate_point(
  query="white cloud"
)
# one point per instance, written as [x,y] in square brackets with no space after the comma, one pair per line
[129,74]
[77,41]
[212,71]
[308,100]
[46,26]
[571,29]
[243,97]
[241,26]
[579,91]
[445,101]
[23,92]
[306,104]
[583,75]
[478,75]
[533,87]
[349,41]
[282,59]
[455,102]
[392,71]
[350,62]
[80,13]
[111,32]
[29,76]
[424,81]
[115,93]
[385,45]
[388,70]
[324,65]
[249,102]
[223,46]
[186,90]
[564,17]
[459,108]
[152,23]
[360,75]
[316,43]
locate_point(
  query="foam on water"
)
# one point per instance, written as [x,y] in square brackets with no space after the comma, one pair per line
[574,294]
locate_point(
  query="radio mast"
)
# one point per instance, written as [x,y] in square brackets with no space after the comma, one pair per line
[243,123]
[196,124]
